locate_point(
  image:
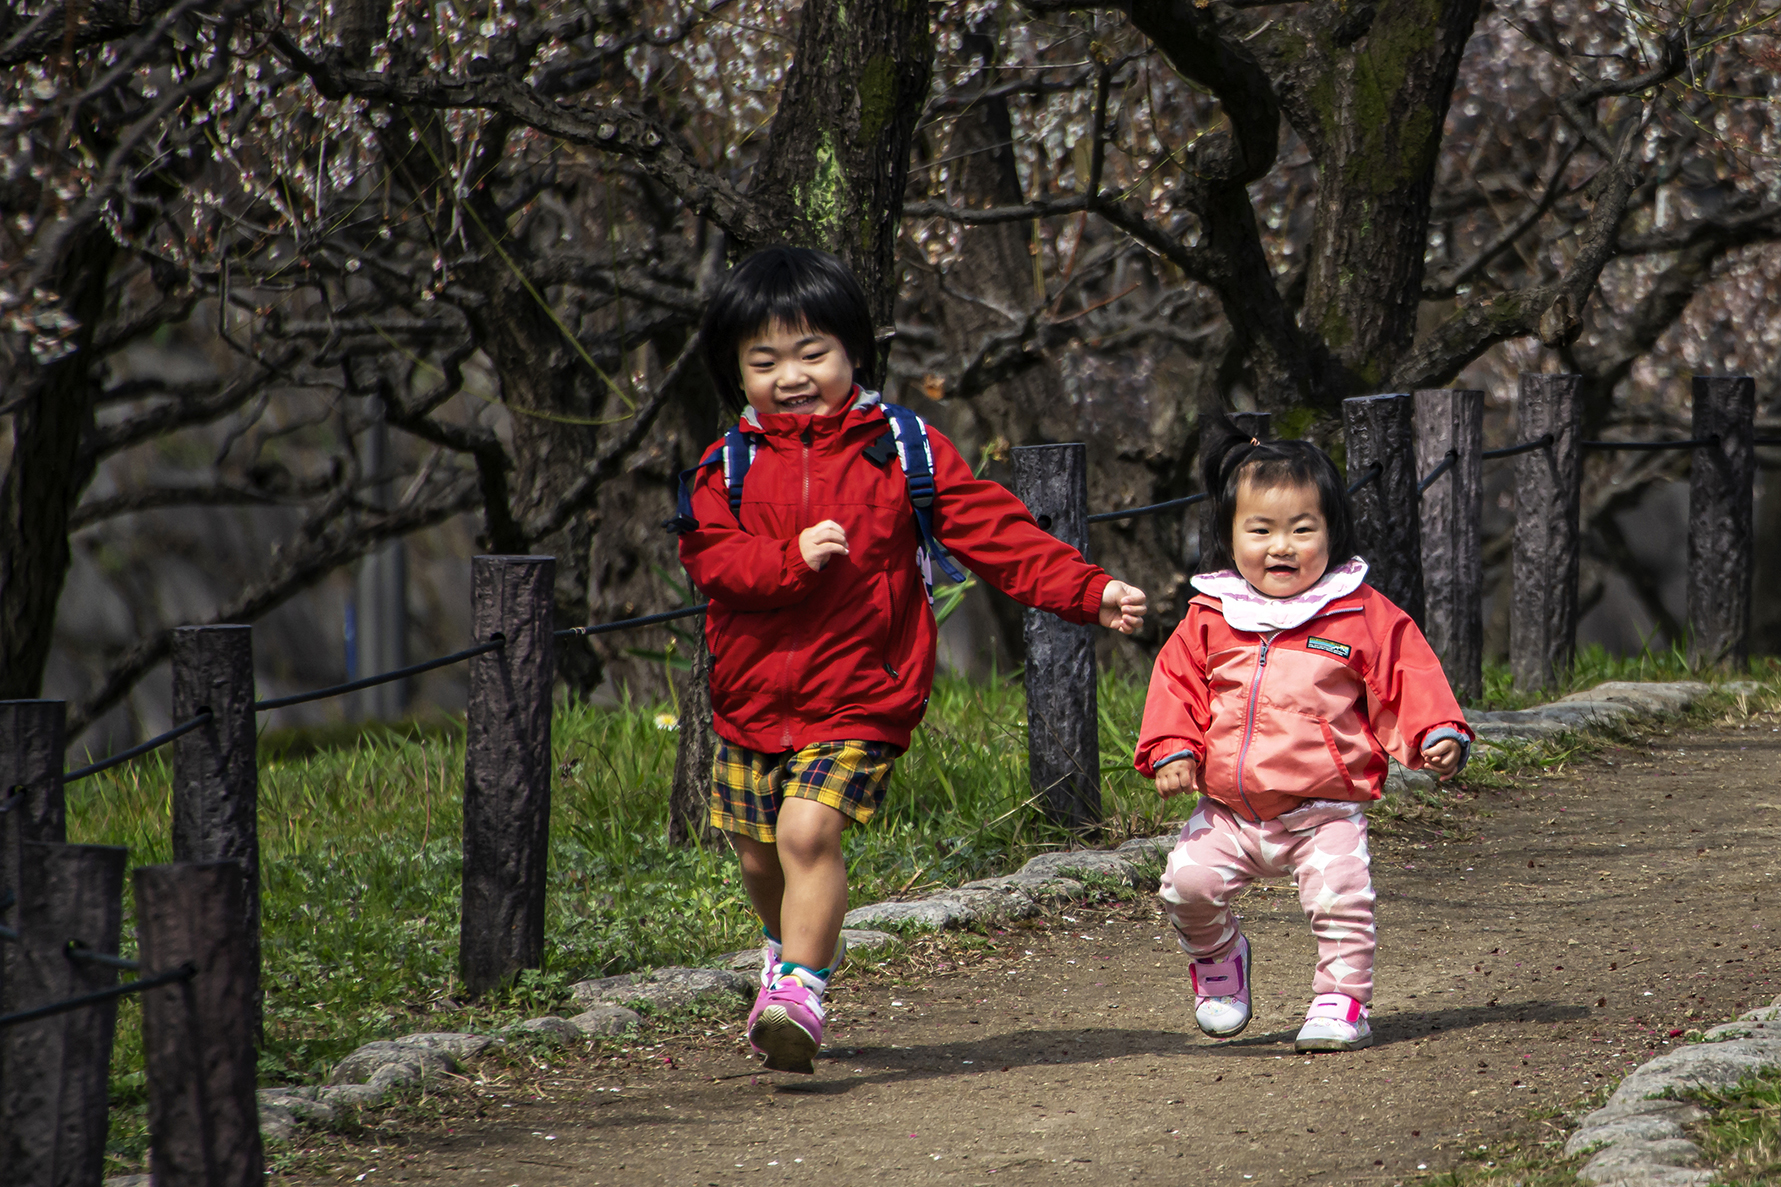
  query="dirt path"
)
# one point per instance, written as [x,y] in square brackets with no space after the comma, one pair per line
[1568,931]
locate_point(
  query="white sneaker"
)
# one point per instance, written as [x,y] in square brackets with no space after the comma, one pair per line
[1335,1022]
[1221,992]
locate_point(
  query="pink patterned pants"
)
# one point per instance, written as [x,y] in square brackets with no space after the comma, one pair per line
[1323,845]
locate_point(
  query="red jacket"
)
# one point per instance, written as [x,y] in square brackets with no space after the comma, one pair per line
[801,655]
[1308,715]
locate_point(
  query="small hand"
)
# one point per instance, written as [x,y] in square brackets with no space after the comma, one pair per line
[1174,778]
[1442,757]
[1122,607]
[827,539]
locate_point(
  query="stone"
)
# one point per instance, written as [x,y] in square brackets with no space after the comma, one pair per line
[298,1104]
[1514,725]
[1701,1065]
[923,913]
[458,1046]
[1744,1028]
[1157,847]
[1741,688]
[1083,861]
[130,1181]
[864,939]
[1649,1127]
[1670,697]
[351,1094]
[1676,1111]
[606,1020]
[551,1027]
[1628,1162]
[664,989]
[745,960]
[1401,780]
[414,1062]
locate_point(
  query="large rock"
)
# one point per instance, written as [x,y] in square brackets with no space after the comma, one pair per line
[405,1061]
[606,1020]
[666,989]
[1106,863]
[1671,697]
[924,913]
[551,1028]
[282,1110]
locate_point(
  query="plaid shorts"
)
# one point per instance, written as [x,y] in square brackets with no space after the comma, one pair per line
[748,786]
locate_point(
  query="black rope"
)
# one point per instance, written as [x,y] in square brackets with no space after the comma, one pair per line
[1765,440]
[79,951]
[105,764]
[1653,446]
[606,628]
[1149,509]
[184,972]
[322,694]
[1373,471]
[1446,465]
[1512,450]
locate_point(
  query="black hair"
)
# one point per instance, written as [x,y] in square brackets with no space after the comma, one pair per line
[1230,456]
[793,286]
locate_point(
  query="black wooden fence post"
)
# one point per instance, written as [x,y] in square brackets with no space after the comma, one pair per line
[507,772]
[1451,421]
[216,770]
[1259,425]
[1548,488]
[198,1034]
[31,805]
[54,1093]
[1063,742]
[1720,515]
[1381,431]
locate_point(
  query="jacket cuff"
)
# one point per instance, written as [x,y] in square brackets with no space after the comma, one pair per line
[1170,750]
[1445,732]
[1166,759]
[1091,598]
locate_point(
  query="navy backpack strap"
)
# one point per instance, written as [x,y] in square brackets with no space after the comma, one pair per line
[735,453]
[917,459]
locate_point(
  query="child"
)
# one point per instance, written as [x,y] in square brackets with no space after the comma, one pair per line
[1278,699]
[821,637]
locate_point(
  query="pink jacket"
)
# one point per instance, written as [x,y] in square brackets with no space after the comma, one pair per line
[1310,714]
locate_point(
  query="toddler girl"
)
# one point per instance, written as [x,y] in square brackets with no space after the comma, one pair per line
[1278,699]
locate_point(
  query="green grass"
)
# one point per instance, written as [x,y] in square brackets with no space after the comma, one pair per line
[1742,1137]
[1595,666]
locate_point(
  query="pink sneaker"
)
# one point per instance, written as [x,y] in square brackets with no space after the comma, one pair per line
[1335,1022]
[786,1025]
[1221,992]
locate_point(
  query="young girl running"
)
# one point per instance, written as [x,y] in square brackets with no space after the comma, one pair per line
[1278,699]
[803,529]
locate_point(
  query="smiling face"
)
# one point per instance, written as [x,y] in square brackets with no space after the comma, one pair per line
[796,370]
[1280,540]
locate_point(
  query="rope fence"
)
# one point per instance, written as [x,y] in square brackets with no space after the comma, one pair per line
[184,972]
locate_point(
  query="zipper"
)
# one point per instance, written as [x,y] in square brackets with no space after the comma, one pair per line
[1255,692]
[785,739]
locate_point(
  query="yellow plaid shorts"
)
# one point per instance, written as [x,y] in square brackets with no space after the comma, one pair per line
[747,786]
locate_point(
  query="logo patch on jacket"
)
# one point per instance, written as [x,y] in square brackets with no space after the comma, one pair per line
[1340,650]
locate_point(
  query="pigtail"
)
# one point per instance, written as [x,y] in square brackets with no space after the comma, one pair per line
[1223,450]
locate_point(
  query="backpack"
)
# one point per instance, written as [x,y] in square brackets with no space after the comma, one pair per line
[906,439]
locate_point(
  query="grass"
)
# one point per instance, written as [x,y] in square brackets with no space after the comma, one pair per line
[1742,1136]
[1595,666]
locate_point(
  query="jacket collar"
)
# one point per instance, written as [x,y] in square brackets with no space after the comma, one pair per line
[784,424]
[1246,609]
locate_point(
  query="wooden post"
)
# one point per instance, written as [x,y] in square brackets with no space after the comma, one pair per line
[31,804]
[1258,425]
[1381,430]
[1063,740]
[55,1092]
[507,772]
[216,771]
[689,799]
[1721,510]
[1451,420]
[198,1034]
[1548,488]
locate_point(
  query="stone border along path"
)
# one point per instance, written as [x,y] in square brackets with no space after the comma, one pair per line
[1640,1139]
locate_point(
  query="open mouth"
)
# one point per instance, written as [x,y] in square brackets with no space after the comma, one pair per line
[1283,570]
[799,403]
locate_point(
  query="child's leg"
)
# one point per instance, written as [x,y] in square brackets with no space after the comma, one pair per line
[763,878]
[1209,866]
[1335,879]
[813,882]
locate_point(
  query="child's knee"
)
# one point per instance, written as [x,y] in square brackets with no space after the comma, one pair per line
[1186,883]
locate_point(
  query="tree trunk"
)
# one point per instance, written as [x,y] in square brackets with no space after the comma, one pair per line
[1368,88]
[46,476]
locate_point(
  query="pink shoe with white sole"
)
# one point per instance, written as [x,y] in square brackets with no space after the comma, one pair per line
[1335,1022]
[1221,992]
[786,1025]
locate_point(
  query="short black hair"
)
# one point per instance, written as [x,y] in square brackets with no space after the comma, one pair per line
[1230,456]
[793,286]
